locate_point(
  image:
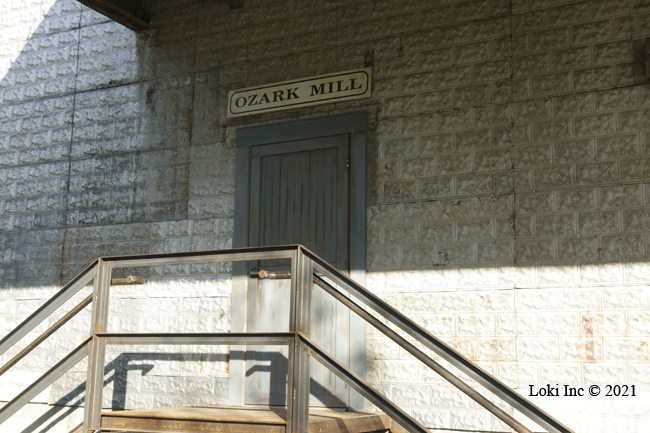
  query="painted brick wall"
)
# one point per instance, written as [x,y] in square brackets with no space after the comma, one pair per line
[508,196]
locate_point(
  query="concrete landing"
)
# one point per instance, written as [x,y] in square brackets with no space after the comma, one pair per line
[227,419]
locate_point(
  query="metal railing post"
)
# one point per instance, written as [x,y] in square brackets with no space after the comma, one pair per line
[298,391]
[96,360]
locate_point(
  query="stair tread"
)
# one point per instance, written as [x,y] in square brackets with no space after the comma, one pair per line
[258,419]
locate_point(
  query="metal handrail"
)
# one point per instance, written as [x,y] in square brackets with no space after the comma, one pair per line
[303,265]
[13,361]
[51,305]
[72,359]
[100,271]
[422,357]
[398,319]
[362,387]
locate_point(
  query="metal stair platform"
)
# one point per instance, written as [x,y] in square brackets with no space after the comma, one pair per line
[229,419]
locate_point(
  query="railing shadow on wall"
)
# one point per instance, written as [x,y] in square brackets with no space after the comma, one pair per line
[307,270]
[115,374]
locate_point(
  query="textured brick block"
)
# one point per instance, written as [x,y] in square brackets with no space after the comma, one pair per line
[455,163]
[597,124]
[435,144]
[453,76]
[492,160]
[419,40]
[401,235]
[383,259]
[596,173]
[542,349]
[454,209]
[599,222]
[401,64]
[558,323]
[401,105]
[530,64]
[437,232]
[634,169]
[620,196]
[573,104]
[479,94]
[431,101]
[612,52]
[474,184]
[553,177]
[530,21]
[418,82]
[384,214]
[557,129]
[617,146]
[593,78]
[492,70]
[591,32]
[436,58]
[418,257]
[569,13]
[572,151]
[468,53]
[422,211]
[386,86]
[604,373]
[492,115]
[557,224]
[534,250]
[533,155]
[552,84]
[623,245]
[495,205]
[436,187]
[476,229]
[456,33]
[534,202]
[399,148]
[413,168]
[584,247]
[495,252]
[455,254]
[573,298]
[577,199]
[550,39]
[473,139]
[436,16]
[439,324]
[505,227]
[422,124]
[402,190]
[626,349]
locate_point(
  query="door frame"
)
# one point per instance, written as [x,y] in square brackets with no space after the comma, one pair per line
[349,123]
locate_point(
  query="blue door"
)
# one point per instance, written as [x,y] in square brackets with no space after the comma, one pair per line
[298,195]
[296,184]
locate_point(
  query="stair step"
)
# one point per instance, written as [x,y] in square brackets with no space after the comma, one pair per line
[207,419]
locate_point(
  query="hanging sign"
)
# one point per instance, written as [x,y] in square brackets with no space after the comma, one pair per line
[322,89]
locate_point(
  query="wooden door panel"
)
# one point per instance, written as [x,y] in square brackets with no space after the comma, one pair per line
[299,194]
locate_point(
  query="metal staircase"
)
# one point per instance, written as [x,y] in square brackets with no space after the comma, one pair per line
[307,269]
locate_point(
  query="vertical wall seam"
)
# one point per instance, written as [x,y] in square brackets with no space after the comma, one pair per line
[67,191]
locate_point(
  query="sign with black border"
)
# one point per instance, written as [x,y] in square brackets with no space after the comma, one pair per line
[303,92]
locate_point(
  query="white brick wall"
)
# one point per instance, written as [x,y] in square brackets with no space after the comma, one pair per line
[507,195]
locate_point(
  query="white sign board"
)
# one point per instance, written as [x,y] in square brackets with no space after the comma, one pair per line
[322,89]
